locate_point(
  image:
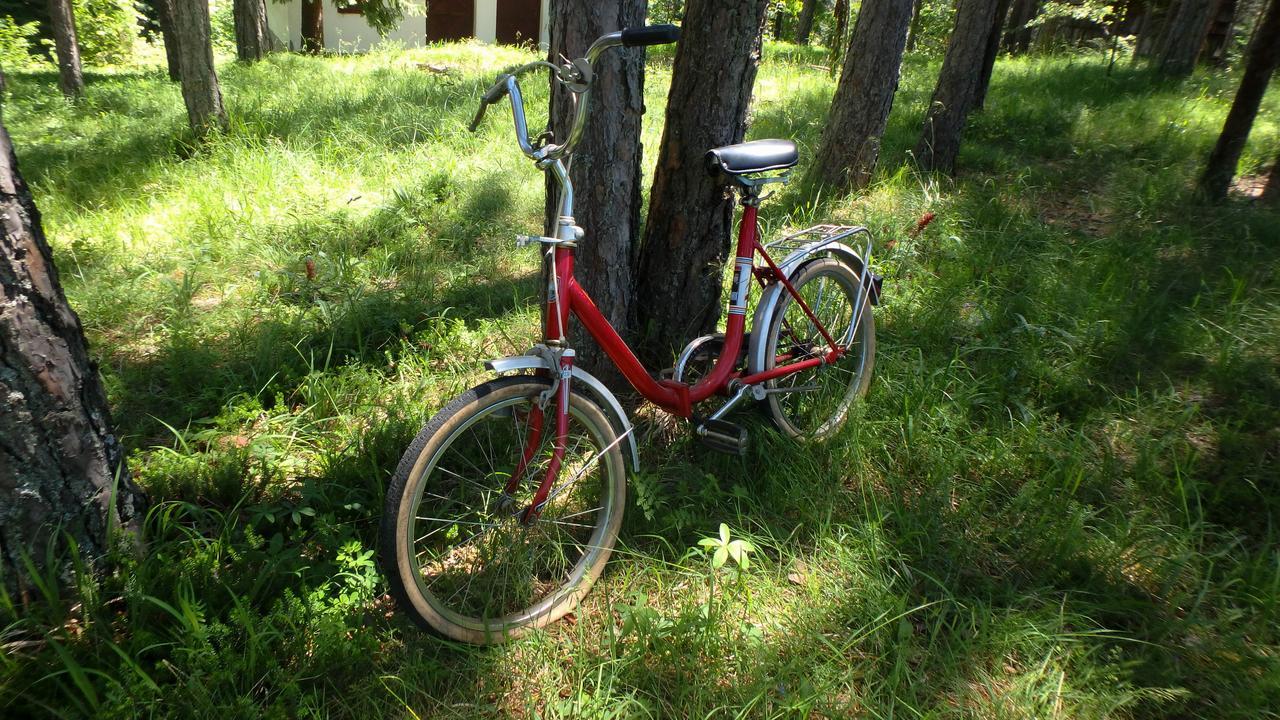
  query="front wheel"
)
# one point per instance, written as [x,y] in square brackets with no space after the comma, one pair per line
[812,404]
[459,559]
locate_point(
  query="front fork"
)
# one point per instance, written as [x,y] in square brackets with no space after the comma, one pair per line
[536,424]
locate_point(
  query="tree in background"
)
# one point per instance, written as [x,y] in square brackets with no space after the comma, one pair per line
[63,22]
[63,470]
[1018,37]
[687,235]
[850,142]
[200,89]
[1271,193]
[956,92]
[804,25]
[1261,61]
[606,170]
[1185,37]
[169,34]
[989,55]
[839,28]
[253,38]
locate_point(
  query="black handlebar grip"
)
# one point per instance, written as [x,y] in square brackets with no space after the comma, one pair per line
[650,35]
[496,92]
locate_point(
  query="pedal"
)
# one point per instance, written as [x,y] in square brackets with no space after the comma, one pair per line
[722,436]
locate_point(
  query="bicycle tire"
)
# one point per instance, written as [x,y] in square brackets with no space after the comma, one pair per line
[816,414]
[425,489]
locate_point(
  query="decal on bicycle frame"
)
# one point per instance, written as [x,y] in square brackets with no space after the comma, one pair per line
[741,285]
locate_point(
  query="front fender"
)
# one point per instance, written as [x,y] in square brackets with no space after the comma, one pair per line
[613,408]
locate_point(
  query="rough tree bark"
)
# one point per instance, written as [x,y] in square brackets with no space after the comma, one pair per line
[63,23]
[61,468]
[1185,37]
[956,91]
[312,26]
[168,31]
[1017,39]
[860,109]
[606,169]
[804,25]
[687,235]
[989,56]
[1261,61]
[253,39]
[199,79]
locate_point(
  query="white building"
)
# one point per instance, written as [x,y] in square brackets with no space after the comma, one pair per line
[501,21]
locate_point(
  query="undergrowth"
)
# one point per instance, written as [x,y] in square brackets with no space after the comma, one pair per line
[1058,499]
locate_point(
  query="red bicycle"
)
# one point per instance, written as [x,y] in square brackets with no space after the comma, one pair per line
[505,508]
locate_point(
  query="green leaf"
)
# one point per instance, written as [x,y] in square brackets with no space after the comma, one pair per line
[722,554]
[708,542]
[724,533]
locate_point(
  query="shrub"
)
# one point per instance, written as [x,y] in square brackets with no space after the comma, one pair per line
[17,42]
[106,30]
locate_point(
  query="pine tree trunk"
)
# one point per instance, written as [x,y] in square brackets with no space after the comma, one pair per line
[851,141]
[253,39]
[1017,39]
[687,235]
[1261,61]
[913,34]
[989,58]
[956,91]
[63,23]
[312,26]
[1221,28]
[1271,193]
[804,25]
[841,25]
[169,32]
[1185,37]
[606,170]
[61,468]
[199,79]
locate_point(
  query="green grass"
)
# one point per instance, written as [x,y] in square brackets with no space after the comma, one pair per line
[1059,499]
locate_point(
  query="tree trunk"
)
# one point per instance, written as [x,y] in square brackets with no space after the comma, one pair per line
[851,141]
[989,58]
[199,79]
[312,26]
[804,26]
[169,32]
[253,39]
[61,468]
[1261,60]
[606,169]
[1271,193]
[690,217]
[1221,28]
[63,23]
[1185,37]
[956,91]
[841,24]
[913,34]
[1018,38]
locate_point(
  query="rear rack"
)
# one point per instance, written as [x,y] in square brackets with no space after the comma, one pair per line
[819,234]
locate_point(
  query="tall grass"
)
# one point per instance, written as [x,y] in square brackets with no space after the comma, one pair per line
[1058,500]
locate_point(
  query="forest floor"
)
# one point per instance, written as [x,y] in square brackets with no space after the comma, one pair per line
[1058,500]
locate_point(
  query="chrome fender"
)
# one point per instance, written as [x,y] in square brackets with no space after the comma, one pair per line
[773,293]
[613,408]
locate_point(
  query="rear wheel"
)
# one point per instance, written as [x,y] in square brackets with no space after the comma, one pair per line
[812,404]
[458,557]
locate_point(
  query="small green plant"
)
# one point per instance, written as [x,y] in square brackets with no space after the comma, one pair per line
[724,548]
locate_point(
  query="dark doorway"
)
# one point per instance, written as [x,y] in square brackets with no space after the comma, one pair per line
[450,19]
[518,21]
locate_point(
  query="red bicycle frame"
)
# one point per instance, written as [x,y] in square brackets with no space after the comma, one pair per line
[566,297]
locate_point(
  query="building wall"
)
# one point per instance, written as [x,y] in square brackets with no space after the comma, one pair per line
[350,33]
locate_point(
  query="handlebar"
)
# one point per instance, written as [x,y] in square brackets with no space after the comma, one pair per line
[577,75]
